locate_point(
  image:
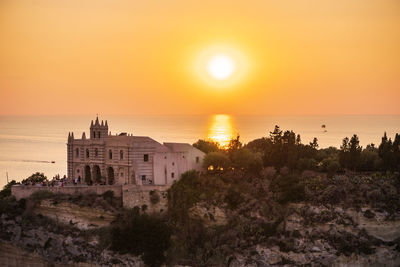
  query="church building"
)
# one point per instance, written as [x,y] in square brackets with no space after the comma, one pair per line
[126,159]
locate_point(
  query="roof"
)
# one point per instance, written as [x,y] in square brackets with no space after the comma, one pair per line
[180,147]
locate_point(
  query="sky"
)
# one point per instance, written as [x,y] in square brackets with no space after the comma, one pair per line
[304,57]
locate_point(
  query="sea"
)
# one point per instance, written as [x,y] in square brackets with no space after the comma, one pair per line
[31,144]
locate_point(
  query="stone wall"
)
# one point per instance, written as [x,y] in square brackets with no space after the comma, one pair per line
[153,196]
[22,191]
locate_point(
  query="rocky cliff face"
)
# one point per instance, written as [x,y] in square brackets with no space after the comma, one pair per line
[37,241]
[324,236]
[72,214]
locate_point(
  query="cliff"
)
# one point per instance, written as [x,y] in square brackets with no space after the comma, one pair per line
[73,214]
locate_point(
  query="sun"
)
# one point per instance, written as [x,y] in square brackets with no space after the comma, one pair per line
[221,66]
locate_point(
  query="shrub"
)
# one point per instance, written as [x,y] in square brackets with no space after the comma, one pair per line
[143,235]
[247,160]
[154,197]
[289,188]
[233,198]
[6,192]
[183,194]
[218,160]
[109,194]
[35,178]
[39,195]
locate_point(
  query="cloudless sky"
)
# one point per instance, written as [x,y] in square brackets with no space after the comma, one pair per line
[139,57]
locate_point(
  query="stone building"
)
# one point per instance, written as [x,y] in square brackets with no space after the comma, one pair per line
[126,159]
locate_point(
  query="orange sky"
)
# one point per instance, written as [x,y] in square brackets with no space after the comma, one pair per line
[139,57]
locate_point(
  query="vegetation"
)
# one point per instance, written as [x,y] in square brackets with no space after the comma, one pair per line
[6,192]
[139,234]
[35,178]
[254,186]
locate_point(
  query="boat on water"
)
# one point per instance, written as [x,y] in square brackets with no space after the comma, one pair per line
[53,161]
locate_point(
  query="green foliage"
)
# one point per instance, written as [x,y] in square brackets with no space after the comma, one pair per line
[11,207]
[206,146]
[389,152]
[247,160]
[154,197]
[234,144]
[108,194]
[332,167]
[306,164]
[219,161]
[350,153]
[182,195]
[35,178]
[39,195]
[233,197]
[289,188]
[141,234]
[7,189]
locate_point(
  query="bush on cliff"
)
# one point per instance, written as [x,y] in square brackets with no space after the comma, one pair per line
[35,178]
[141,234]
[6,192]
[183,195]
[288,188]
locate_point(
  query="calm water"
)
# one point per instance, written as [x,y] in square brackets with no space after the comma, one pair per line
[28,144]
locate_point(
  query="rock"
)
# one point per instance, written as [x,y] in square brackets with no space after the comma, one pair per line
[73,250]
[210,215]
[315,249]
[16,233]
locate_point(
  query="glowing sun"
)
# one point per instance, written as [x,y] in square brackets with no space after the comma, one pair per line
[221,67]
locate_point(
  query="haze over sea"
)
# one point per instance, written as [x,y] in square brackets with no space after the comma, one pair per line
[29,143]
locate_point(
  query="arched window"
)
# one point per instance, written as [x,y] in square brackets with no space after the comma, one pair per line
[77,152]
[110,154]
[96,152]
[121,154]
[87,153]
[99,134]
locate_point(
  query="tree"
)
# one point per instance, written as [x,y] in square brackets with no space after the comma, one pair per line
[314,143]
[344,153]
[206,146]
[369,159]
[216,161]
[142,234]
[7,189]
[350,153]
[332,167]
[35,178]
[234,144]
[247,160]
[355,152]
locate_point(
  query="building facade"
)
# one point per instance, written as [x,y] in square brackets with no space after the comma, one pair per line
[126,159]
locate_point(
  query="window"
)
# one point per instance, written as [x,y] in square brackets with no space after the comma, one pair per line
[146,157]
[77,152]
[173,163]
[87,153]
[121,154]
[96,152]
[143,177]
[122,174]
[110,154]
[197,159]
[172,175]
[99,134]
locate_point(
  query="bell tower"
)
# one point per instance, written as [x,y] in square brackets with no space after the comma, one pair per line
[98,130]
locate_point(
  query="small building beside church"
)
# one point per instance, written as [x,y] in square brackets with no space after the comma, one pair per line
[124,159]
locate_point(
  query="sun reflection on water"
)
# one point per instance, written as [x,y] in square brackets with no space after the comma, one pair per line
[221,129]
